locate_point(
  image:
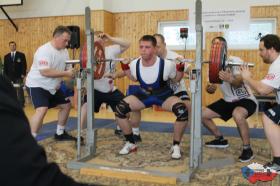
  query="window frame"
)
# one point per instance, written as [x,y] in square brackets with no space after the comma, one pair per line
[161,25]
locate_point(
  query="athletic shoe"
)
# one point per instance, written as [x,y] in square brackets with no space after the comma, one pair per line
[175,152]
[137,138]
[82,140]
[64,137]
[246,155]
[273,166]
[128,148]
[118,133]
[217,143]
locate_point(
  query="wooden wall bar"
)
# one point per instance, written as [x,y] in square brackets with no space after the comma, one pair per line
[33,32]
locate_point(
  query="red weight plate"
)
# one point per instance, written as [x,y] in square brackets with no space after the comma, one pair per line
[214,65]
[99,56]
[217,60]
[83,56]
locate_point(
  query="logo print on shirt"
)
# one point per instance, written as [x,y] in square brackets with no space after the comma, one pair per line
[43,63]
[270,76]
[241,92]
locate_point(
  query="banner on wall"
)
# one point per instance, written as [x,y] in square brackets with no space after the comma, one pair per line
[220,16]
[10,2]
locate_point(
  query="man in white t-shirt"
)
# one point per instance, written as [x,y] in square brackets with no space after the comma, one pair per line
[179,88]
[43,82]
[269,51]
[104,89]
[238,103]
[152,73]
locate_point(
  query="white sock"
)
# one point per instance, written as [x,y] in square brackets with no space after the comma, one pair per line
[136,131]
[60,129]
[118,127]
[34,134]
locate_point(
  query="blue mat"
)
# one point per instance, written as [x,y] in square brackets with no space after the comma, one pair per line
[49,129]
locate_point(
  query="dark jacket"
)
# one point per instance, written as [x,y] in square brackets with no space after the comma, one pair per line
[15,69]
[23,162]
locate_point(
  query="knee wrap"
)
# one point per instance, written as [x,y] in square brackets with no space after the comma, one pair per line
[122,109]
[180,111]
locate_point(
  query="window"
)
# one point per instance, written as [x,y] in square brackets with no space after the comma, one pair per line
[171,33]
[250,39]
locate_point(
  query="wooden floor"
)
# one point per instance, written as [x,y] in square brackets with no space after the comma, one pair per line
[147,115]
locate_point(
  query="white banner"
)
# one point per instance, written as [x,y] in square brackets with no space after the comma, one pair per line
[219,16]
[10,2]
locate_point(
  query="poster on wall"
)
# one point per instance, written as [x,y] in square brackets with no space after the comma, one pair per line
[220,16]
[10,2]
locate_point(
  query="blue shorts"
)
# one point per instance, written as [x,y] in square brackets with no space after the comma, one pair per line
[43,98]
[149,99]
[134,89]
[66,91]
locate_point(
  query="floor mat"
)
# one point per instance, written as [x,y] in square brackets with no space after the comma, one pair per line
[49,129]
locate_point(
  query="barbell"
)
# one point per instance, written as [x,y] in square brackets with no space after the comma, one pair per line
[218,61]
[98,55]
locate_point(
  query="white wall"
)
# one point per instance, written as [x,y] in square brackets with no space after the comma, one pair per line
[45,8]
[148,5]
[145,5]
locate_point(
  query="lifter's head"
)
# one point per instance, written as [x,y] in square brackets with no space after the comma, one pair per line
[147,47]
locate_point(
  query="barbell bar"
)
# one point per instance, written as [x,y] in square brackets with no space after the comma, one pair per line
[228,62]
[218,61]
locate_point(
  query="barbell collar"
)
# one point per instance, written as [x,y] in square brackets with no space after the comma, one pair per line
[73,61]
[231,63]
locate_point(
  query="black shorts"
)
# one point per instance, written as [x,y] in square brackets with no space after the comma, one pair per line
[110,98]
[225,109]
[183,95]
[43,98]
[274,114]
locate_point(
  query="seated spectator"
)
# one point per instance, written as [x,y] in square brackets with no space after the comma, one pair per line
[23,161]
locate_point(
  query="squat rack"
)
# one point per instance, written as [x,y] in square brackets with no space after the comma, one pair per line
[195,160]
